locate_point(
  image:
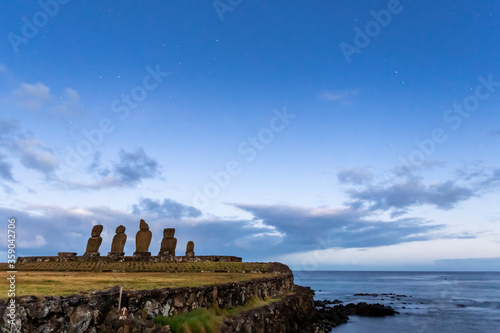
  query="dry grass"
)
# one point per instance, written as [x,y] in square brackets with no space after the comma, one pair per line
[40,283]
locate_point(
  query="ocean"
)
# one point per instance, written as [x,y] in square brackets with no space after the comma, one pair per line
[435,302]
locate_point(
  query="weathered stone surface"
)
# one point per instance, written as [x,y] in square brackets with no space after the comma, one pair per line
[143,240]
[118,243]
[97,312]
[293,314]
[94,242]
[190,249]
[44,307]
[81,318]
[168,243]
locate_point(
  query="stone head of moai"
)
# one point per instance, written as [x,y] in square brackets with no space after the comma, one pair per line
[169,232]
[143,225]
[97,230]
[120,229]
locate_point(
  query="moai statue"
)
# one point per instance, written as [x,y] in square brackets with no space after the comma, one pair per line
[142,240]
[118,242]
[94,242]
[190,249]
[168,244]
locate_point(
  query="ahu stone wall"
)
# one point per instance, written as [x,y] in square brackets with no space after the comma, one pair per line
[68,258]
[293,314]
[90,314]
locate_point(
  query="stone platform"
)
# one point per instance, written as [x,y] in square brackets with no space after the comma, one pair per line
[67,257]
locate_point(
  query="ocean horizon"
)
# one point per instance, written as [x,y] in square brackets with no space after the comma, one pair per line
[427,301]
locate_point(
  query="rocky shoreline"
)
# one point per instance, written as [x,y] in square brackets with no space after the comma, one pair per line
[330,314]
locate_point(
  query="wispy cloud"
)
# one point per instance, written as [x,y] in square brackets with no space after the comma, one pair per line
[131,169]
[356,176]
[32,153]
[62,229]
[411,192]
[134,166]
[32,96]
[68,105]
[72,94]
[402,190]
[38,242]
[305,227]
[168,208]
[39,97]
[495,133]
[342,96]
[5,169]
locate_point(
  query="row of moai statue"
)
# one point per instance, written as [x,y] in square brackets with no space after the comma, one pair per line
[142,242]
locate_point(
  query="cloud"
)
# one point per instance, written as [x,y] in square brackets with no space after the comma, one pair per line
[495,133]
[130,170]
[39,242]
[68,105]
[3,68]
[398,190]
[48,229]
[354,176]
[95,166]
[274,229]
[31,152]
[167,209]
[68,229]
[406,170]
[482,178]
[7,128]
[134,166]
[32,96]
[308,228]
[39,97]
[102,183]
[35,156]
[71,94]
[7,189]
[341,96]
[411,192]
[5,170]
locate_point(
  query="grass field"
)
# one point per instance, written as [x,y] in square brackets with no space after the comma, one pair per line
[41,283]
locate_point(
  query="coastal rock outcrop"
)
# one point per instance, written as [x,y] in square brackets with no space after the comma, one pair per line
[328,317]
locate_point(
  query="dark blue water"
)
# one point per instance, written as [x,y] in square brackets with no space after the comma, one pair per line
[437,302]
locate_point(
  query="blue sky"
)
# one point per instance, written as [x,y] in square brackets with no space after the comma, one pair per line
[324,134]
